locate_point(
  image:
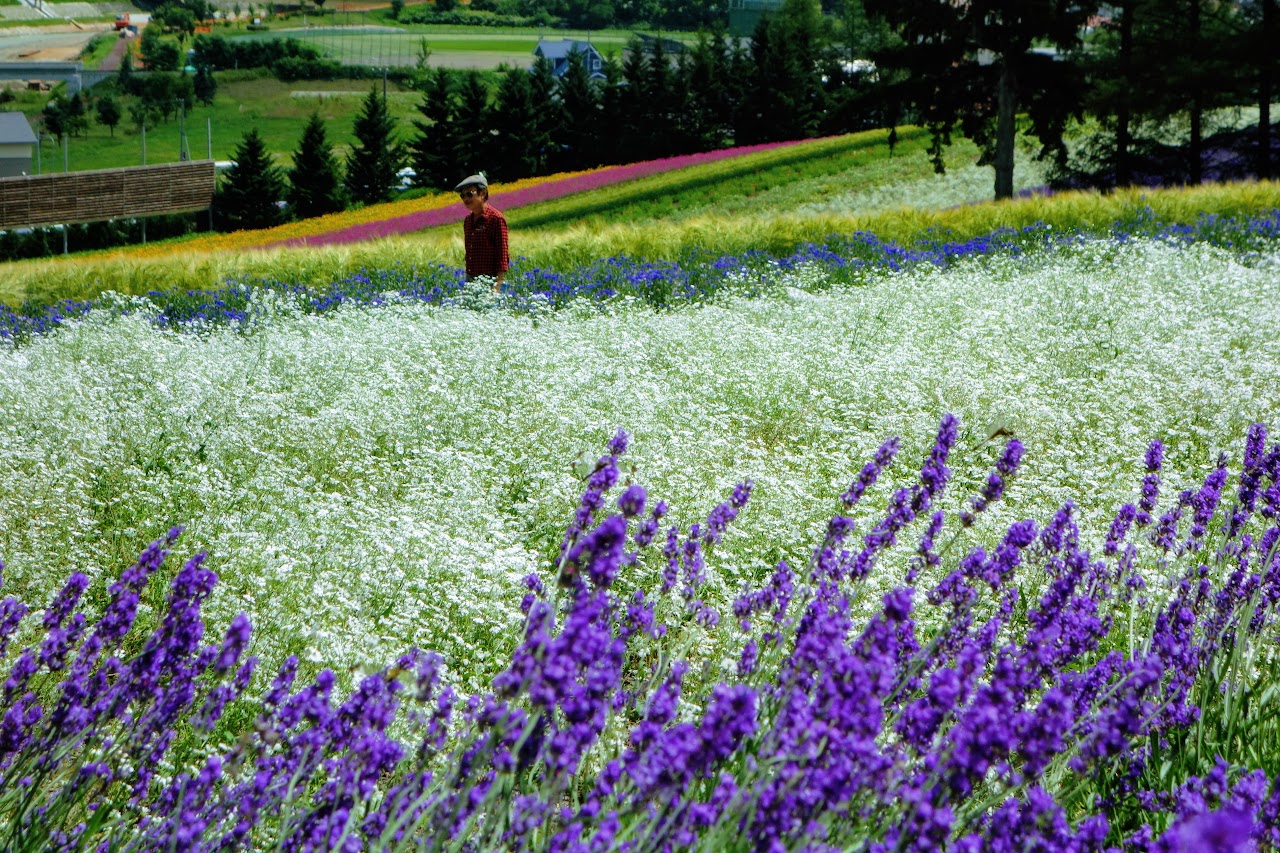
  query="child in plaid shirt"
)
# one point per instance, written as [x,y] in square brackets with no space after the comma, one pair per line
[484,232]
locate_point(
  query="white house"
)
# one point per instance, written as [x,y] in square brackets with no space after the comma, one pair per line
[16,140]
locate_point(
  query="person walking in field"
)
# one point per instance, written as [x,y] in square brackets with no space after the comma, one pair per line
[484,232]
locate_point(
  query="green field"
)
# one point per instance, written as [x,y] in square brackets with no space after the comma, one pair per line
[245,99]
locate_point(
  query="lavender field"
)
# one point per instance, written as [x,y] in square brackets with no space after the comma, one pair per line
[998,656]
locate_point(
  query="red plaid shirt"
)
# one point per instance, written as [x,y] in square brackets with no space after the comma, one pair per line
[485,236]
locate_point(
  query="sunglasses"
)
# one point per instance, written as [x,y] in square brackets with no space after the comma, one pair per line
[466,194]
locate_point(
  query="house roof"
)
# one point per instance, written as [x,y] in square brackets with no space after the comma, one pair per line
[561,48]
[14,130]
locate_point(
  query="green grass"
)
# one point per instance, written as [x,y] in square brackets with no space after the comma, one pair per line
[97,49]
[348,37]
[245,99]
[737,185]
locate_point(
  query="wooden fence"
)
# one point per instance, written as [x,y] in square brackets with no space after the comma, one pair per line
[71,197]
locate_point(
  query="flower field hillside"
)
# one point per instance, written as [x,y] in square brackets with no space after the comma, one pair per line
[966,541]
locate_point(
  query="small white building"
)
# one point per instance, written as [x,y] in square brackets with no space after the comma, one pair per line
[16,141]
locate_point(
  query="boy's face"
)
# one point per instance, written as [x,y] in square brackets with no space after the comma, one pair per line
[473,198]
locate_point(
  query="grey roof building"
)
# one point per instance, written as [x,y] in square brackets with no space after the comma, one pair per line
[558,53]
[16,140]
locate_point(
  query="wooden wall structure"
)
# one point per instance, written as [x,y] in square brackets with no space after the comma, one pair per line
[71,197]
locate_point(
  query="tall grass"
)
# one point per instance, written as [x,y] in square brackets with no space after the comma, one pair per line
[572,245]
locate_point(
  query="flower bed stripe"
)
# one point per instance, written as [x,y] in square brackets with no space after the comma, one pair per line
[545,191]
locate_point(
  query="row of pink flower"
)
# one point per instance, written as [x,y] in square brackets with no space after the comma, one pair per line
[544,191]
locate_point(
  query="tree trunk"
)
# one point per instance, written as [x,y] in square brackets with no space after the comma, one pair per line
[1197,104]
[1006,128]
[1124,173]
[1265,82]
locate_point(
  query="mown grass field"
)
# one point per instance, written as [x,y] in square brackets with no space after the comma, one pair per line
[244,100]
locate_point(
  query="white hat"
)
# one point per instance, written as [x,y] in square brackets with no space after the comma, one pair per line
[478,180]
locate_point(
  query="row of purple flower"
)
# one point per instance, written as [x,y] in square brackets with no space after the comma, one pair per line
[989,704]
[695,276]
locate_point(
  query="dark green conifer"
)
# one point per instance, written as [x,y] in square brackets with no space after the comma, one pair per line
[315,181]
[375,157]
[251,189]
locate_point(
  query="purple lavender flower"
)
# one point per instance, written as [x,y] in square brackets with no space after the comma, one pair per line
[1150,483]
[631,502]
[870,472]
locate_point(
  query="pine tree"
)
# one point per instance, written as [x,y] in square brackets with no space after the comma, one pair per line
[636,128]
[251,188]
[473,143]
[431,153]
[548,118]
[125,80]
[375,158]
[315,181]
[973,64]
[612,111]
[579,99]
[516,151]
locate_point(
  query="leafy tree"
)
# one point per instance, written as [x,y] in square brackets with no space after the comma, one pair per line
[319,6]
[204,85]
[108,111]
[248,195]
[375,157]
[431,152]
[159,54]
[397,6]
[315,181]
[75,117]
[175,18]
[55,116]
[972,63]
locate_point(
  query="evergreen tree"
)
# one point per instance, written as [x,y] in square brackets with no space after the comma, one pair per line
[517,151]
[75,119]
[612,111]
[431,153]
[579,100]
[315,181]
[375,157]
[547,128]
[710,100]
[972,63]
[473,143]
[1155,74]
[660,102]
[248,195]
[636,129]
[755,116]
[1262,56]
[125,79]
